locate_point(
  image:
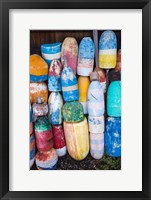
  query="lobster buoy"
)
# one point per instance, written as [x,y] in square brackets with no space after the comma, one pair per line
[39,108]
[118,63]
[32,150]
[85,57]
[77,139]
[102,77]
[83,85]
[113,136]
[54,77]
[96,124]
[69,85]
[43,133]
[38,90]
[73,112]
[47,160]
[59,140]
[38,69]
[114,99]
[70,50]
[107,50]
[51,52]
[55,103]
[97,145]
[95,97]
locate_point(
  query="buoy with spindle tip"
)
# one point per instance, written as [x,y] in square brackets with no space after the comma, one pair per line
[118,63]
[85,57]
[83,85]
[51,52]
[38,89]
[73,112]
[97,145]
[59,140]
[107,50]
[38,69]
[96,124]
[69,83]
[95,96]
[70,50]
[101,72]
[54,77]
[43,133]
[77,139]
[55,103]
[114,99]
[32,150]
[113,136]
[40,108]
[47,160]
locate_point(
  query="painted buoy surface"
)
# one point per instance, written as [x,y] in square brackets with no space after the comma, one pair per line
[107,50]
[54,78]
[31,113]
[97,145]
[85,107]
[118,63]
[114,75]
[31,128]
[114,99]
[51,51]
[38,90]
[73,112]
[113,136]
[95,99]
[32,150]
[83,85]
[55,103]
[77,139]
[70,50]
[85,57]
[69,85]
[96,124]
[40,109]
[59,140]
[47,160]
[102,77]
[43,133]
[38,69]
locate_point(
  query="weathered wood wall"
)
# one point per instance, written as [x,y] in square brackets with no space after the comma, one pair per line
[43,37]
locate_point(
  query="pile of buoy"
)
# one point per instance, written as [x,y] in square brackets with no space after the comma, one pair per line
[75,108]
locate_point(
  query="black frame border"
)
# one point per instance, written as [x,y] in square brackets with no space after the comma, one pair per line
[5,5]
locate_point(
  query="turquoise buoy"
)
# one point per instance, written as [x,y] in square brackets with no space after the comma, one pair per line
[113,136]
[114,99]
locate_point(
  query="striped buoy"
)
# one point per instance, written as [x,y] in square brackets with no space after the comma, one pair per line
[95,97]
[113,136]
[114,99]
[77,139]
[85,57]
[43,133]
[39,108]
[96,124]
[38,90]
[51,52]
[59,140]
[38,69]
[70,50]
[97,145]
[54,78]
[55,103]
[69,85]
[107,50]
[73,112]
[47,160]
[32,150]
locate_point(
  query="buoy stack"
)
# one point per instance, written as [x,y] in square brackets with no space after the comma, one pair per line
[96,116]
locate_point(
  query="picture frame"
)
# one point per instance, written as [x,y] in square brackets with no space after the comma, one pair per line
[5,104]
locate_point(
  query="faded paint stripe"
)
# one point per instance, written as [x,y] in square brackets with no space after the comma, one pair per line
[51,56]
[69,88]
[107,51]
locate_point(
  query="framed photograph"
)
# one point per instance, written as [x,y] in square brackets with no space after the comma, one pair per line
[75,100]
